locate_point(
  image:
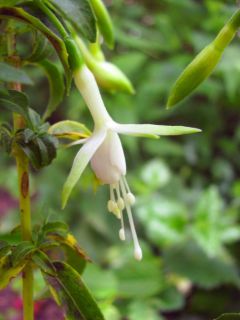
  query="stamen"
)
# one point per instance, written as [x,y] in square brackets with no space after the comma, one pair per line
[137,248]
[121,206]
[112,204]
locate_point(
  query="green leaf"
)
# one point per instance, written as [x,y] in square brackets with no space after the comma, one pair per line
[70,130]
[16,102]
[9,3]
[43,262]
[56,84]
[207,272]
[21,252]
[57,43]
[8,73]
[70,242]
[8,271]
[80,14]
[229,316]
[6,138]
[70,291]
[41,48]
[55,227]
[5,248]
[39,148]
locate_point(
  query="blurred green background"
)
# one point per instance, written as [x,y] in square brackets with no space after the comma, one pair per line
[187,188]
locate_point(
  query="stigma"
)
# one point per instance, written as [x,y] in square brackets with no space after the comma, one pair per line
[121,198]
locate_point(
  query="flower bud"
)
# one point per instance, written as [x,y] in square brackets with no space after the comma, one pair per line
[110,77]
[104,21]
[204,63]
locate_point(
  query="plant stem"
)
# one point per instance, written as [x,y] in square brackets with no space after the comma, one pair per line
[25,215]
[24,195]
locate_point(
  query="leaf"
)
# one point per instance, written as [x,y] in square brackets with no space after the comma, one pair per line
[70,291]
[207,272]
[55,227]
[8,73]
[9,3]
[16,102]
[229,316]
[56,84]
[57,43]
[40,150]
[43,262]
[41,49]
[70,130]
[21,252]
[70,242]
[80,14]
[8,271]
[6,138]
[5,248]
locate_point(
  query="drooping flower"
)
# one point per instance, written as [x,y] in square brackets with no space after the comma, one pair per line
[103,149]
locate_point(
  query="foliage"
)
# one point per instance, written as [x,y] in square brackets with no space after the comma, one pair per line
[188,194]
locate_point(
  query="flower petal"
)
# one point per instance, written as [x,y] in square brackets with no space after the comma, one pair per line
[80,162]
[152,130]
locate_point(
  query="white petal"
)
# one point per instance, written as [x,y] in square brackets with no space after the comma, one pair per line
[153,130]
[80,162]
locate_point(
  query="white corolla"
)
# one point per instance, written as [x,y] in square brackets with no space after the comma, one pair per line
[103,149]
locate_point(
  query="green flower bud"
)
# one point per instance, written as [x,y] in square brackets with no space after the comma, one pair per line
[104,22]
[204,63]
[110,77]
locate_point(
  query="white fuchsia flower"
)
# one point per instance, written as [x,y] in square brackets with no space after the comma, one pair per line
[103,149]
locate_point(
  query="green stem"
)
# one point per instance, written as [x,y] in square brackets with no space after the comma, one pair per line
[25,215]
[23,186]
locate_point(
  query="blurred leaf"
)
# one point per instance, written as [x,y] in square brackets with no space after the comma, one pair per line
[8,73]
[141,281]
[155,174]
[206,272]
[80,14]
[229,316]
[41,48]
[16,102]
[70,291]
[5,248]
[164,218]
[170,299]
[142,310]
[8,271]
[43,262]
[103,283]
[56,84]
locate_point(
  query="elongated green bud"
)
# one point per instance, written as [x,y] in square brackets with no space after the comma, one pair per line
[204,63]
[104,21]
[108,76]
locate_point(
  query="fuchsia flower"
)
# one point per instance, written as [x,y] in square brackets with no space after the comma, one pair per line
[103,149]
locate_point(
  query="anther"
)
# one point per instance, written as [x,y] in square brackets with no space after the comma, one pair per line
[130,198]
[121,204]
[138,253]
[110,205]
[122,234]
